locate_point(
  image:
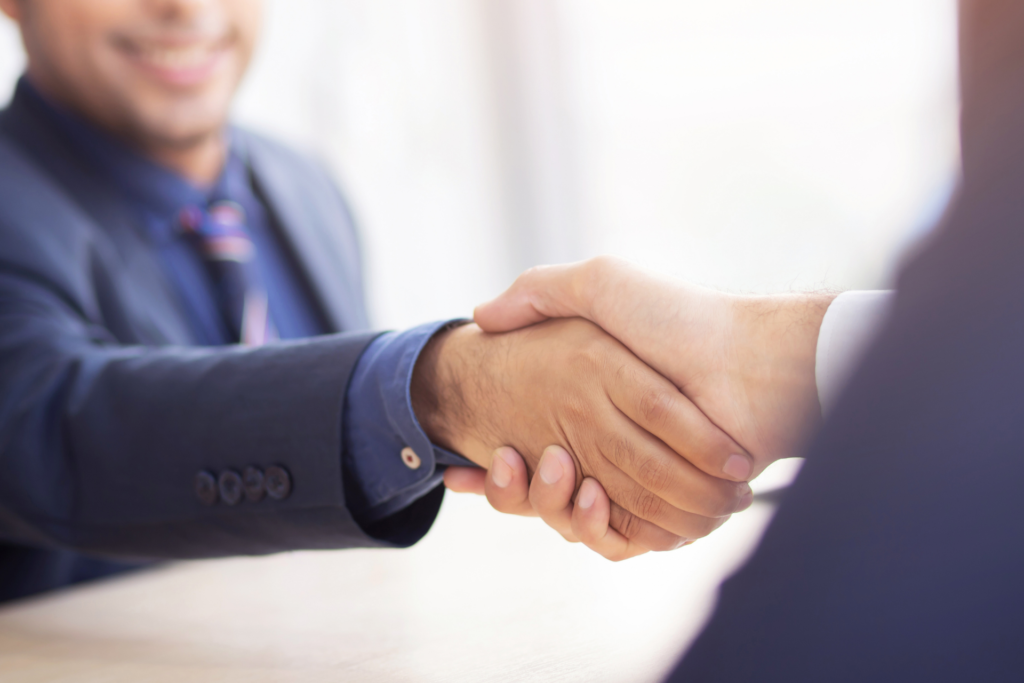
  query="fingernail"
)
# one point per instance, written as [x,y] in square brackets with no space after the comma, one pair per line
[738,467]
[746,501]
[588,494]
[501,473]
[550,469]
[682,542]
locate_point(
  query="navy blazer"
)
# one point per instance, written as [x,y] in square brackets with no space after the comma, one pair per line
[898,555]
[106,413]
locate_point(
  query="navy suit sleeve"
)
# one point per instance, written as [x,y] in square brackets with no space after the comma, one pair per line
[100,443]
[896,556]
[380,423]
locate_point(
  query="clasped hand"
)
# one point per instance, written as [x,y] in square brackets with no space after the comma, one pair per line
[739,394]
[568,383]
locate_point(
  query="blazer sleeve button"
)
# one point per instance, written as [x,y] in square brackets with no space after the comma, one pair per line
[205,487]
[252,480]
[411,460]
[230,486]
[277,482]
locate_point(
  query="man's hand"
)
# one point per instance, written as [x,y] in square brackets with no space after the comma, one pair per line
[746,361]
[568,383]
[509,490]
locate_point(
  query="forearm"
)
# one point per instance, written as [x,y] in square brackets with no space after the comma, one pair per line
[102,444]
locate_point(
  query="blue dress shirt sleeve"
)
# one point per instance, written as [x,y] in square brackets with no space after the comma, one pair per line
[379,423]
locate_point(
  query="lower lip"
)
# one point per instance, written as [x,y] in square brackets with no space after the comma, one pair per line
[183,76]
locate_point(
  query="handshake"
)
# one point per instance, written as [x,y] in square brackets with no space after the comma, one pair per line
[644,404]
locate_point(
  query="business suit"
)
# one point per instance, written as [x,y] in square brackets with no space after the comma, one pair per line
[897,555]
[106,414]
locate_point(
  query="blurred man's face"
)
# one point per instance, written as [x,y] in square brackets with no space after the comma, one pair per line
[155,72]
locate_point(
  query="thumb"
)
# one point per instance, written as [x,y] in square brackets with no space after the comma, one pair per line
[540,293]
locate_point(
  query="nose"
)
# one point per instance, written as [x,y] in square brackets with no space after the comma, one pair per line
[183,12]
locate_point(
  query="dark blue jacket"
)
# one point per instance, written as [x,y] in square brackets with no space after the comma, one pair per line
[899,553]
[107,414]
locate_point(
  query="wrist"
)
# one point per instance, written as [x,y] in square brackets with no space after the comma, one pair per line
[777,340]
[441,397]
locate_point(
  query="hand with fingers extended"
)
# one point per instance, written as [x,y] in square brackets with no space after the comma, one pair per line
[568,383]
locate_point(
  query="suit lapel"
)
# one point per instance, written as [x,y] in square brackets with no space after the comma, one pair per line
[314,227]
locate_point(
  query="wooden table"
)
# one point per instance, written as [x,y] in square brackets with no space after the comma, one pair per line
[484,597]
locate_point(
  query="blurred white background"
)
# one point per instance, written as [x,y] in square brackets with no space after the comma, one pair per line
[747,145]
[751,145]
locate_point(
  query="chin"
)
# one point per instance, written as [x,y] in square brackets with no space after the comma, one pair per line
[182,125]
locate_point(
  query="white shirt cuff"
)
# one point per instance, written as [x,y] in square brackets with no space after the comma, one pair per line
[848,328]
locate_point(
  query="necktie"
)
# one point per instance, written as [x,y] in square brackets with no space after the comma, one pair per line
[220,235]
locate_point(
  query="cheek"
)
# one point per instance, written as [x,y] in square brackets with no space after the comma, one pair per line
[61,46]
[247,20]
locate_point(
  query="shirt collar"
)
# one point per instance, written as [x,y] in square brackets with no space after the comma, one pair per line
[157,192]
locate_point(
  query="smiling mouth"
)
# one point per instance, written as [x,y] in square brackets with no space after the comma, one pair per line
[180,63]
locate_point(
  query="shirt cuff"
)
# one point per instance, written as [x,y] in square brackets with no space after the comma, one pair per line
[848,328]
[388,461]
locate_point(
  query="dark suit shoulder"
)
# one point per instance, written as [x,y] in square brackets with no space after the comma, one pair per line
[45,236]
[317,219]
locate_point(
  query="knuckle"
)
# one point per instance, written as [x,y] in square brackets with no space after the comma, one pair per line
[653,475]
[656,406]
[628,524]
[623,453]
[639,531]
[645,505]
[625,374]
[530,273]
